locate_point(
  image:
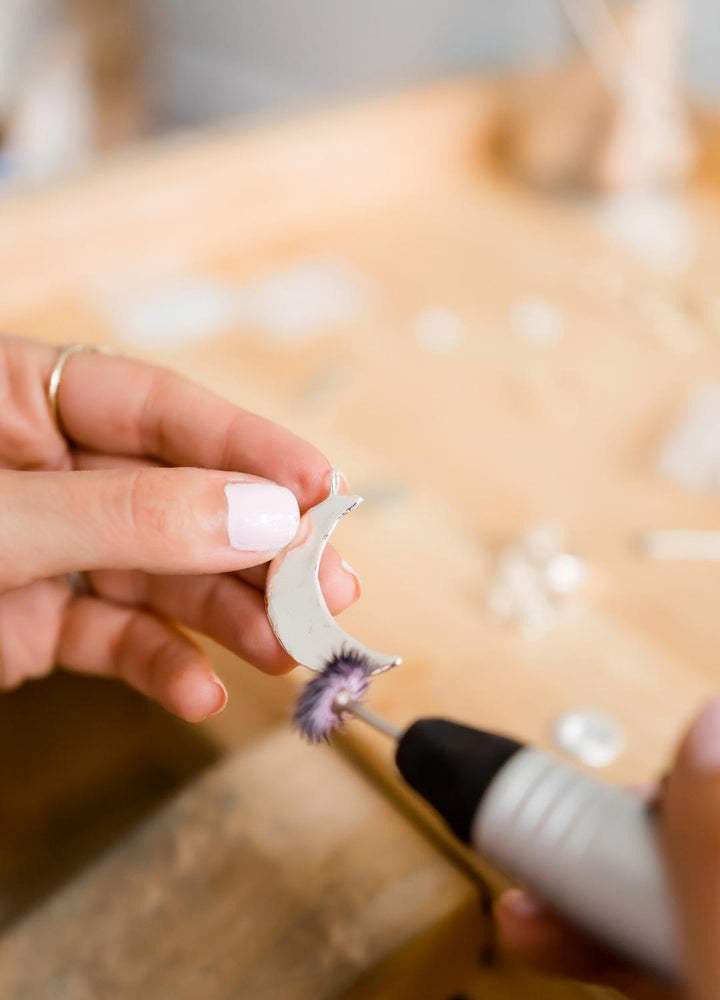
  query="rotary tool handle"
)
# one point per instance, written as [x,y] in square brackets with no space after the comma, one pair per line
[587,849]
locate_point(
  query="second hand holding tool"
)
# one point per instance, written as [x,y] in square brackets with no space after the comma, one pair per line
[586,848]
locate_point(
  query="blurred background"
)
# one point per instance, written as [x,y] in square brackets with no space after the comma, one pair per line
[492,301]
[77,76]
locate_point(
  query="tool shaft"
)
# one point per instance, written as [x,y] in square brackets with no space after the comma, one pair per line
[376,721]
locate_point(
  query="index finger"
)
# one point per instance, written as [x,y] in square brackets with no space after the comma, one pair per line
[117,405]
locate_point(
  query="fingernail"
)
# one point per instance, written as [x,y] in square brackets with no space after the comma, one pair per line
[262,517]
[701,751]
[521,905]
[343,483]
[348,569]
[222,695]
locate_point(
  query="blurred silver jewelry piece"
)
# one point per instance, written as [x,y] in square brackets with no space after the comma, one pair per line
[56,375]
[691,545]
[689,456]
[593,738]
[535,573]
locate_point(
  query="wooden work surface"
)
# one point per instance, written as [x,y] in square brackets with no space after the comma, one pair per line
[227,881]
[456,451]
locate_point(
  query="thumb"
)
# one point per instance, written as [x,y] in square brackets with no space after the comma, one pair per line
[691,833]
[154,519]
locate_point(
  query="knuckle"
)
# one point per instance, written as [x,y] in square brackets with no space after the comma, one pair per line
[159,511]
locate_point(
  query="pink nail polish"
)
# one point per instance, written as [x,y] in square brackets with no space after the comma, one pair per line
[701,750]
[261,517]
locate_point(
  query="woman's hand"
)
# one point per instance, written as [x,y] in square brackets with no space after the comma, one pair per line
[171,498]
[689,826]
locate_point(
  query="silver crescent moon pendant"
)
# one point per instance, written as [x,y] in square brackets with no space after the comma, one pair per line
[296,607]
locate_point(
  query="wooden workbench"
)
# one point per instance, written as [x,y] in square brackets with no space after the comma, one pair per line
[457,452]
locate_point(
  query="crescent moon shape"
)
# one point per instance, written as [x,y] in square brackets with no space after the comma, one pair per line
[296,607]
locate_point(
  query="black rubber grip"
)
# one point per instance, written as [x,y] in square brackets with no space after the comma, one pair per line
[451,766]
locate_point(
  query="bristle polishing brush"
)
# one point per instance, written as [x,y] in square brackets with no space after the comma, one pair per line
[587,849]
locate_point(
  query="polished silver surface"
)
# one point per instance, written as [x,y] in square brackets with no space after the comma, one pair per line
[296,607]
[592,737]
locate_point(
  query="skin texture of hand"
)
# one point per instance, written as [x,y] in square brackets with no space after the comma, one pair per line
[166,499]
[689,827]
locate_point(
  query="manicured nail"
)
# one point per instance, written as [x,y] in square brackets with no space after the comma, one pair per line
[521,905]
[222,698]
[701,751]
[336,479]
[262,517]
[348,569]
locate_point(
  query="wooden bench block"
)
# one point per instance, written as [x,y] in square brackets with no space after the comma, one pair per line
[281,872]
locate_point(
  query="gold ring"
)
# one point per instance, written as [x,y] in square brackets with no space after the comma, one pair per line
[53,388]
